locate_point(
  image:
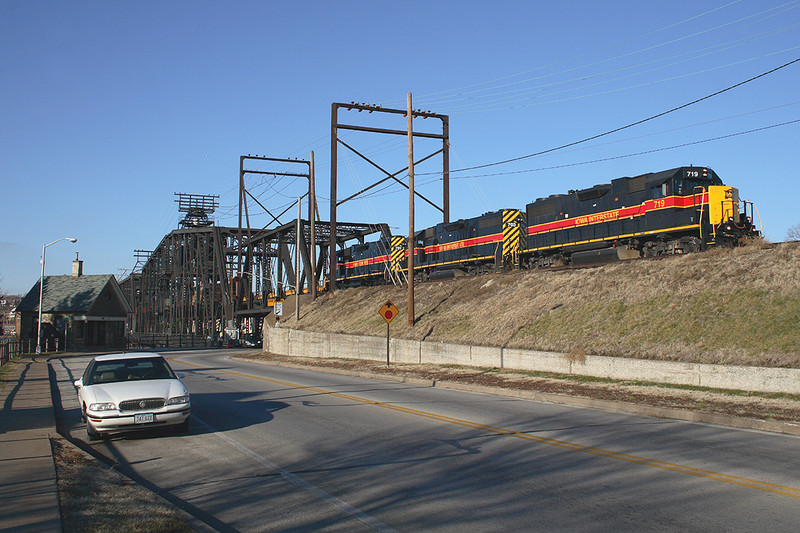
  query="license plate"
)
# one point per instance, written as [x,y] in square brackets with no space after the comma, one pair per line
[144,418]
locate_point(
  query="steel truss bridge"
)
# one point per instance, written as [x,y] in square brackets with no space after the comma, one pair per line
[201,280]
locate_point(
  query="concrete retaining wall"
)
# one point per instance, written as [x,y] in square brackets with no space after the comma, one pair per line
[283,341]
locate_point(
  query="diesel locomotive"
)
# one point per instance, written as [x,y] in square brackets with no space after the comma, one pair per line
[681,210]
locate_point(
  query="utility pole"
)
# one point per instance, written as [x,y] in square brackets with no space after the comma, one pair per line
[411,240]
[312,217]
[298,229]
[334,178]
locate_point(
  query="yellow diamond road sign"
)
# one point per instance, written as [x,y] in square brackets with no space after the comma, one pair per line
[388,311]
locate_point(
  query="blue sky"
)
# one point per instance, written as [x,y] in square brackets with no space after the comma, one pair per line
[109,108]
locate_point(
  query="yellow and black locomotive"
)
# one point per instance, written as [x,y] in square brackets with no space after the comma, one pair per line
[681,210]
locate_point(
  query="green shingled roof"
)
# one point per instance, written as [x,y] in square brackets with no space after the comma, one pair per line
[65,294]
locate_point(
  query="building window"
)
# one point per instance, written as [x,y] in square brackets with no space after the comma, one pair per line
[79,326]
[119,330]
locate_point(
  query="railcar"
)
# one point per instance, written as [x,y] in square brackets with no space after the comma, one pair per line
[488,243]
[364,264]
[680,210]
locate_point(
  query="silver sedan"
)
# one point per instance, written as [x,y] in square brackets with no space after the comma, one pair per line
[130,392]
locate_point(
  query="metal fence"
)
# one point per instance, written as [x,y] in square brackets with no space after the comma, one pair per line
[10,348]
[165,340]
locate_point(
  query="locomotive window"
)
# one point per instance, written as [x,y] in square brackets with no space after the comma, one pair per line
[636,184]
[660,191]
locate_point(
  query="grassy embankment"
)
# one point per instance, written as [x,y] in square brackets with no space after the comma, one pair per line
[739,306]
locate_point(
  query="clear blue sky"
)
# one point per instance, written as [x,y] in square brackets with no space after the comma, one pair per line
[108,108]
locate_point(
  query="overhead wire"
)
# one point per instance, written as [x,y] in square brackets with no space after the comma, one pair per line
[632,124]
[643,152]
[637,86]
[461,96]
[430,179]
[688,126]
[504,100]
[579,56]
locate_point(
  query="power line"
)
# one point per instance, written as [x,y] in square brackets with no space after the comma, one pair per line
[383,191]
[460,94]
[510,76]
[696,124]
[510,100]
[645,152]
[632,124]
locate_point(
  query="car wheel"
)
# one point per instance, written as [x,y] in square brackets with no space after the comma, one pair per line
[91,432]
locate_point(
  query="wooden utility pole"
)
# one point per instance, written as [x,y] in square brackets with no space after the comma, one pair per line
[312,217]
[334,152]
[298,229]
[411,240]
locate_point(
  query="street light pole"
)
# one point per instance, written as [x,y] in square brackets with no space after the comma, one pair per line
[41,292]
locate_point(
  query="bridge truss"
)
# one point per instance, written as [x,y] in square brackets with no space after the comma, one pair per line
[202,280]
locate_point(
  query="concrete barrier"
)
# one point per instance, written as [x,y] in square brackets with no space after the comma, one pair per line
[302,343]
[535,361]
[486,356]
[404,351]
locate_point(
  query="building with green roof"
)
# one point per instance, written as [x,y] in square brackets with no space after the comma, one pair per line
[85,312]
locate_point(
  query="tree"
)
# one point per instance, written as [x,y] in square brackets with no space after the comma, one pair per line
[793,233]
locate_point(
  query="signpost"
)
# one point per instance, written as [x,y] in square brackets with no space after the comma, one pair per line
[388,311]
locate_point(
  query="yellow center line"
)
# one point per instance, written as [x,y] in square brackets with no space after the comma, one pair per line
[653,463]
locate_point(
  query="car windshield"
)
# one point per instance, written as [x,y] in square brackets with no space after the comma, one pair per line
[130,370]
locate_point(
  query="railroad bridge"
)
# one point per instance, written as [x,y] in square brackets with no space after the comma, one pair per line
[201,280]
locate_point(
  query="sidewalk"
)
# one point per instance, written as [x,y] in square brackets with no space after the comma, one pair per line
[28,489]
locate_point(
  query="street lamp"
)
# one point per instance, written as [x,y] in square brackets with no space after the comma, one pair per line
[41,292]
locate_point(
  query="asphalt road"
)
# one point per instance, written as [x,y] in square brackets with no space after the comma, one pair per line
[278,449]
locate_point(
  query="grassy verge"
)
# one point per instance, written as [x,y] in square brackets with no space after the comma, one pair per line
[739,306]
[96,499]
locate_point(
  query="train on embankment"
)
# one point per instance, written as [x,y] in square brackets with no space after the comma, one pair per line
[682,210]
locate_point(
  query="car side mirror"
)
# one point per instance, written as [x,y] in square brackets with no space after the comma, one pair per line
[181,375]
[78,383]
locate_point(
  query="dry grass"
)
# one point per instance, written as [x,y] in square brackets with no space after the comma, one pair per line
[96,499]
[738,306]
